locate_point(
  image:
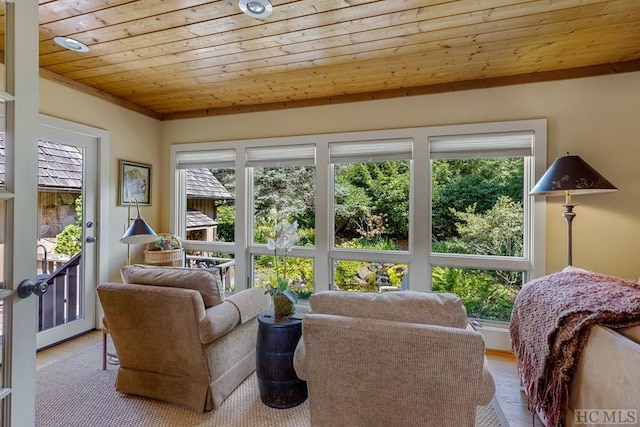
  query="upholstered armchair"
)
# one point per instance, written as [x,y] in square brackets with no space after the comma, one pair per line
[177,337]
[396,358]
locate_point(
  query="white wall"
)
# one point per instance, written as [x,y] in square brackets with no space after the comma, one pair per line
[596,118]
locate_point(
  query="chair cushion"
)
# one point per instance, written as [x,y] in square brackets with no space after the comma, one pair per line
[206,281]
[430,308]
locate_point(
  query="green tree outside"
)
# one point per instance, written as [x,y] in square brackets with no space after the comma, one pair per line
[69,240]
[477,208]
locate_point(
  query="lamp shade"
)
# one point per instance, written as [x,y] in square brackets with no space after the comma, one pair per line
[139,232]
[571,174]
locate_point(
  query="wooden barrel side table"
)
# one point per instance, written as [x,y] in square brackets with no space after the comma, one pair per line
[277,339]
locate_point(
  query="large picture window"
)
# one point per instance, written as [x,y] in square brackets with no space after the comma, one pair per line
[442,208]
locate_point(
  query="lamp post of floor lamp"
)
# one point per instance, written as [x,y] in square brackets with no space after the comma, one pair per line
[568,215]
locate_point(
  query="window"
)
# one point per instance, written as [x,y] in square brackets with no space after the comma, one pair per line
[205,210]
[369,276]
[208,212]
[371,194]
[478,212]
[298,271]
[282,189]
[371,183]
[487,294]
[441,208]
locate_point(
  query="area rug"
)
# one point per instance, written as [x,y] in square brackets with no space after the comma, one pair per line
[76,392]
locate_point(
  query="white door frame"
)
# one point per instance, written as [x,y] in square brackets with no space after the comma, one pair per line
[66,132]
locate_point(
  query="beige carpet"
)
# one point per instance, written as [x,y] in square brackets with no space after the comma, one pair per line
[76,392]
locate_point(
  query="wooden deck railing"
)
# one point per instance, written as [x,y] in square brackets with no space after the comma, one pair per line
[225,265]
[62,303]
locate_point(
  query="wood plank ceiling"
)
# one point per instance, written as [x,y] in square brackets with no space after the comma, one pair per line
[175,59]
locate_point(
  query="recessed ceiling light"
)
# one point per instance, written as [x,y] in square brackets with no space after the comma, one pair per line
[256,8]
[71,44]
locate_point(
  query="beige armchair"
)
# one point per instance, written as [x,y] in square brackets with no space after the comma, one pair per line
[398,358]
[177,338]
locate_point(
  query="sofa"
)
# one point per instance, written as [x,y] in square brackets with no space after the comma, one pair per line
[177,337]
[606,382]
[575,334]
[394,358]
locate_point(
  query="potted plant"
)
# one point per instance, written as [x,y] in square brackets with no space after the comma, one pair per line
[285,237]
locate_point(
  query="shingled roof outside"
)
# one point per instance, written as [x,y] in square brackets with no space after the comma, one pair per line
[59,165]
[201,184]
[197,219]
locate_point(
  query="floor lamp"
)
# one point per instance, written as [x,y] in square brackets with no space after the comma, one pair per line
[568,176]
[138,232]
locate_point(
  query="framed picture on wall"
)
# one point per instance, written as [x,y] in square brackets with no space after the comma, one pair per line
[134,182]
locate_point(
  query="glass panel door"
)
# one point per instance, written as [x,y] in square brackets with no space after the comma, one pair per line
[66,230]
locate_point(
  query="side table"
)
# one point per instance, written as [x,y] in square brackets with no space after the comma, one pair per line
[277,339]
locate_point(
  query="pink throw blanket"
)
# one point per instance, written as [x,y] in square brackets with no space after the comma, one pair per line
[551,320]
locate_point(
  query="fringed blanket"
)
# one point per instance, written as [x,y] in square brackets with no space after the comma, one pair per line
[551,320]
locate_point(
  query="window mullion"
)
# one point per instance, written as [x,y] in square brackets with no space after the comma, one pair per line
[242,220]
[420,217]
[324,221]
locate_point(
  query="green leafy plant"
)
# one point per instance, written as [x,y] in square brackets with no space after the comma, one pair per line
[226,222]
[69,240]
[483,296]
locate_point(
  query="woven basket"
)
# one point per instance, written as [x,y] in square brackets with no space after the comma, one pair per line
[169,258]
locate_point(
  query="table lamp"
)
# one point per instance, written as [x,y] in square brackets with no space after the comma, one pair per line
[568,176]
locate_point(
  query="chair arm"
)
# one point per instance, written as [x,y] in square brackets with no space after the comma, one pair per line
[250,303]
[219,320]
[487,386]
[300,361]
[487,383]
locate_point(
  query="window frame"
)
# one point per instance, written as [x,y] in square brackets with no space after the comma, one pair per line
[491,262]
[419,256]
[290,155]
